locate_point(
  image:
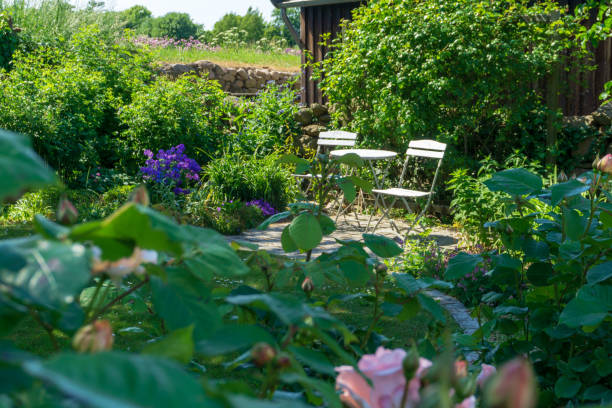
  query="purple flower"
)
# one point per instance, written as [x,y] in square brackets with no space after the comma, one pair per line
[171,167]
[265,207]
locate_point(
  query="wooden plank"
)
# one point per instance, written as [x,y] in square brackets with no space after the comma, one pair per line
[427,144]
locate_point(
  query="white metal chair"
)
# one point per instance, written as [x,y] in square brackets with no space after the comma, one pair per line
[417,148]
[326,141]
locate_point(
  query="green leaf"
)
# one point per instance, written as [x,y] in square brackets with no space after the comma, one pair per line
[182,302]
[350,159]
[121,380]
[515,182]
[461,264]
[597,392]
[274,218]
[599,273]
[314,359]
[178,345]
[432,307]
[365,185]
[590,306]
[210,254]
[302,165]
[539,273]
[567,387]
[327,224]
[133,225]
[49,229]
[355,272]
[412,285]
[287,242]
[288,309]
[568,189]
[20,166]
[574,224]
[348,188]
[305,231]
[327,391]
[233,338]
[53,275]
[382,246]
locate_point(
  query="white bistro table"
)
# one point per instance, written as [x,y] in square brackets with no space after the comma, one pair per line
[370,156]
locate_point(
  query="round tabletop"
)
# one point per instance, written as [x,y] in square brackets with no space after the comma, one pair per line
[365,154]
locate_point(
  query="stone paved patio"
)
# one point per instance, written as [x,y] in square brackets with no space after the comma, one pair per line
[352,228]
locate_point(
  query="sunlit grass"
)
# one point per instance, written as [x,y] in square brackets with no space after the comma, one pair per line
[230,57]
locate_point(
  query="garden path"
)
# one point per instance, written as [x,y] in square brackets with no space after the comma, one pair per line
[352,229]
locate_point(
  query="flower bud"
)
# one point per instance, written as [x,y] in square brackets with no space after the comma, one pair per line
[283,361]
[307,286]
[140,195]
[66,214]
[562,177]
[485,373]
[262,354]
[97,336]
[381,269]
[596,161]
[605,164]
[410,364]
[514,386]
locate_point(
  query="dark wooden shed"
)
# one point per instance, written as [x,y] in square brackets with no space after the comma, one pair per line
[317,17]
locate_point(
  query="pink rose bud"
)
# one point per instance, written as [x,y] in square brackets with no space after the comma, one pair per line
[486,372]
[605,164]
[262,354]
[97,336]
[381,269]
[66,214]
[140,195]
[513,387]
[283,361]
[307,286]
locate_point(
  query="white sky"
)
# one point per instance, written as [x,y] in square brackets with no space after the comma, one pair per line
[205,12]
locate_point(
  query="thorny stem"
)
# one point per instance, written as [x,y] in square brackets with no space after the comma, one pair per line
[375,315]
[95,296]
[118,298]
[45,326]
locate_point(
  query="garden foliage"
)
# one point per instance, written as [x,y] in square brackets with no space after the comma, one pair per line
[552,279]
[459,71]
[62,279]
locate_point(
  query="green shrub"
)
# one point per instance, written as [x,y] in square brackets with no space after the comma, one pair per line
[266,124]
[552,279]
[473,204]
[188,111]
[229,218]
[459,71]
[9,40]
[67,100]
[110,201]
[233,177]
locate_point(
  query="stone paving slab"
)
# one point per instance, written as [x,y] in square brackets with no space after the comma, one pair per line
[352,228]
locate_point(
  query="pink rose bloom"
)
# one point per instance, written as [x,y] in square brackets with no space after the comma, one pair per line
[469,402]
[385,371]
[485,372]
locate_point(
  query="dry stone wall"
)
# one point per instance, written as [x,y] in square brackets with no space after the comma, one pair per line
[236,80]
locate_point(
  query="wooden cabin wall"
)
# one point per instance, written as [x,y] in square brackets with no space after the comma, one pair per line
[314,22]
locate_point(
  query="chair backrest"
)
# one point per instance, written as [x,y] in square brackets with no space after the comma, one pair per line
[424,148]
[334,138]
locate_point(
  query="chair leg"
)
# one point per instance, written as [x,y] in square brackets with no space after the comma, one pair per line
[372,215]
[416,220]
[386,214]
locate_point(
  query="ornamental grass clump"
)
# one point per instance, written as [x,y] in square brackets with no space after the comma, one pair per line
[171,169]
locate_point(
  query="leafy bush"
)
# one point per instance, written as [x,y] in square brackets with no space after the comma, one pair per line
[553,283]
[461,71]
[166,113]
[9,40]
[473,204]
[67,99]
[234,177]
[228,218]
[266,124]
